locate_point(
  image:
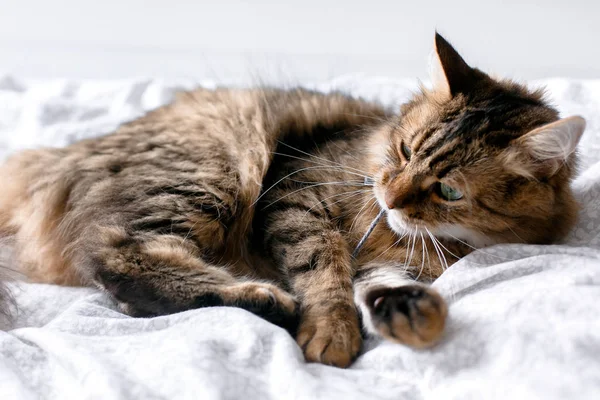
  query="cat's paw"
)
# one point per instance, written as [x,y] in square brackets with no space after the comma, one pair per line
[332,339]
[413,315]
[264,294]
[263,299]
[266,300]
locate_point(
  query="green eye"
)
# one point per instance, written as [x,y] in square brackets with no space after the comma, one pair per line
[406,151]
[449,193]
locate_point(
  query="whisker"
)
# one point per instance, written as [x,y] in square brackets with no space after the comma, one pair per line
[391,246]
[441,244]
[478,250]
[347,183]
[515,233]
[374,118]
[412,250]
[350,195]
[434,239]
[358,214]
[321,158]
[285,177]
[345,151]
[428,259]
[367,233]
[405,264]
[422,256]
[339,167]
[438,243]
[437,251]
[309,187]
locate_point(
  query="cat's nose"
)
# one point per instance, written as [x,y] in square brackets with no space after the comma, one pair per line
[395,199]
[389,200]
[400,192]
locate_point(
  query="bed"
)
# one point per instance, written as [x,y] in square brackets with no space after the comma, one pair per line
[524,320]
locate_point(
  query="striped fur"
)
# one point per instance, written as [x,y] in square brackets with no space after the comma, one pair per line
[256,198]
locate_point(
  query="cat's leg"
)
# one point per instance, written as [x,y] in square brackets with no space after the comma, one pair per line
[162,274]
[398,308]
[164,229]
[317,260]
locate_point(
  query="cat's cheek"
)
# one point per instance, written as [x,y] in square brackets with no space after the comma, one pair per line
[380,197]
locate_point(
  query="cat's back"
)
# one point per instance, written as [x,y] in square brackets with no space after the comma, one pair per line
[205,145]
[224,126]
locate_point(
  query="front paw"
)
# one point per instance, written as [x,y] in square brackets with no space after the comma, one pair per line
[331,338]
[413,315]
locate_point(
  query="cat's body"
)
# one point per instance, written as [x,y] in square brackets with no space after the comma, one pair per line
[257,199]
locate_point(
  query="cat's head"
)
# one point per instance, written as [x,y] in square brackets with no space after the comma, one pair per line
[479,159]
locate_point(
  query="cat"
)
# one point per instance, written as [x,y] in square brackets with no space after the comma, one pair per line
[258,198]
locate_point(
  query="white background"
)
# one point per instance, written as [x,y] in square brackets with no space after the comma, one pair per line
[293,40]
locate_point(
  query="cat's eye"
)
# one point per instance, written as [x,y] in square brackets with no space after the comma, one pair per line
[449,193]
[406,151]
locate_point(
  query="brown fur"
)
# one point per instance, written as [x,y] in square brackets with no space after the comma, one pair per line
[256,198]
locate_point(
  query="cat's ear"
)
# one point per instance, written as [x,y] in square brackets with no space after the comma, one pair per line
[552,144]
[448,71]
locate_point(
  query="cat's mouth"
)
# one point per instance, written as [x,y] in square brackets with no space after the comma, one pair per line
[403,224]
[398,220]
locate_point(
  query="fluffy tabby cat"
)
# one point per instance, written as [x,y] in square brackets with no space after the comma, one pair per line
[257,198]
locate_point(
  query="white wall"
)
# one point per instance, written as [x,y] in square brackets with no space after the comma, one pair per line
[310,39]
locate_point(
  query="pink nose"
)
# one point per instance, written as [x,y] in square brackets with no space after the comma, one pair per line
[400,192]
[389,200]
[395,199]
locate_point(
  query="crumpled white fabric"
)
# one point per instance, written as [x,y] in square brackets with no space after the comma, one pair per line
[524,320]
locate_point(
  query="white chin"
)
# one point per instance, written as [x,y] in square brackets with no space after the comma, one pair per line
[399,225]
[396,220]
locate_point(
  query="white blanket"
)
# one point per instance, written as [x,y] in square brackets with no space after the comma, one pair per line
[524,320]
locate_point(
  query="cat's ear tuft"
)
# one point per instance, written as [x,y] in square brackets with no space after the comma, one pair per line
[448,71]
[552,144]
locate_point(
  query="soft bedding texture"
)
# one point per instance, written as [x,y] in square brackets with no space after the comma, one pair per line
[524,320]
